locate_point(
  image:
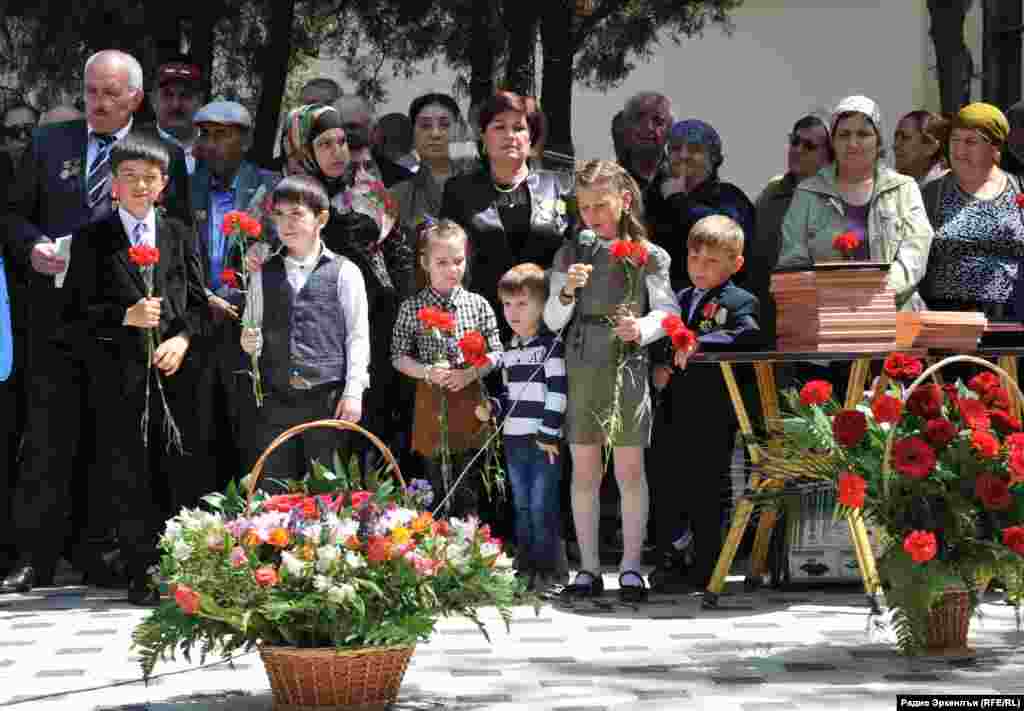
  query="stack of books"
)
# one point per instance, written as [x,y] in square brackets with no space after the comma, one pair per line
[951,330]
[835,307]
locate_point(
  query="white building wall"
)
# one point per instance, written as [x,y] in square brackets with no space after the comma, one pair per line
[785,58]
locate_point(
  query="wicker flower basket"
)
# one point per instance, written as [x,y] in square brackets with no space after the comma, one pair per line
[948,623]
[328,678]
[321,678]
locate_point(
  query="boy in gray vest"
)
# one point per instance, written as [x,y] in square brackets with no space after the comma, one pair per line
[314,344]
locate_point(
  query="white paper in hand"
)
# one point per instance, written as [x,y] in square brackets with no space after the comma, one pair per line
[63,251]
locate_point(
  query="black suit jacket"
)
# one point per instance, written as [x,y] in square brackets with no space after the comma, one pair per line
[725,318]
[48,199]
[102,283]
[469,200]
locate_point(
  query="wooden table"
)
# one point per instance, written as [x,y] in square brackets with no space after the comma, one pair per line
[764,368]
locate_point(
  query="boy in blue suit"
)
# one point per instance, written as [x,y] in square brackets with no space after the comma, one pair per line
[695,422]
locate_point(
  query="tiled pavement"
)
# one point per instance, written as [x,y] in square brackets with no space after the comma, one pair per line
[768,651]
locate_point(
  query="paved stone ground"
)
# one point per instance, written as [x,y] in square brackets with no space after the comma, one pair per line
[69,649]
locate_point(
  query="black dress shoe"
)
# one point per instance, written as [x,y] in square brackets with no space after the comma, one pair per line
[26,577]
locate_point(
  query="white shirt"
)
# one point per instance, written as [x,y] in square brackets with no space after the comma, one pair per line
[94,144]
[190,159]
[354,306]
[130,221]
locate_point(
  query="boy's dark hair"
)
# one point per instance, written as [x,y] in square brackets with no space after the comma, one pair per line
[526,277]
[139,145]
[717,232]
[302,190]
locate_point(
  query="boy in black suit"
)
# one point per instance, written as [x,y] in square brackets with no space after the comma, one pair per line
[696,422]
[108,312]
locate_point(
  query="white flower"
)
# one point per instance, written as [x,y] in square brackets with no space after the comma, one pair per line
[325,556]
[346,529]
[294,566]
[503,561]
[341,593]
[182,551]
[354,560]
[489,549]
[173,530]
[321,583]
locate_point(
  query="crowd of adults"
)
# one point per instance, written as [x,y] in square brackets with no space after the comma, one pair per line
[944,215]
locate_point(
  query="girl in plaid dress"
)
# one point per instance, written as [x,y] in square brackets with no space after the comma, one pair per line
[432,358]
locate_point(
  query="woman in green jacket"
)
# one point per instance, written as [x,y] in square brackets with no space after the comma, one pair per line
[858,193]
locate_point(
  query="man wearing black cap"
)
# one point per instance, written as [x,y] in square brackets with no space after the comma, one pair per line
[178,94]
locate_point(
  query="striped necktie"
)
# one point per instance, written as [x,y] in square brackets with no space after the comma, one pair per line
[98,182]
[139,236]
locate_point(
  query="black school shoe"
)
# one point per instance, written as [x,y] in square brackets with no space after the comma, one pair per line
[632,594]
[593,588]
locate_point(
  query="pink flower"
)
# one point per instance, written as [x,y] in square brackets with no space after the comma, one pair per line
[238,557]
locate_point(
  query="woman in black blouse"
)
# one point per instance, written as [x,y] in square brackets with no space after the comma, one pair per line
[511,212]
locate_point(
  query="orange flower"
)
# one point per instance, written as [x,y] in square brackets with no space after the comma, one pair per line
[352,543]
[379,549]
[278,537]
[310,511]
[252,539]
[422,523]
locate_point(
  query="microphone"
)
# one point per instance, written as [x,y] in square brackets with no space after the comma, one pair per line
[587,238]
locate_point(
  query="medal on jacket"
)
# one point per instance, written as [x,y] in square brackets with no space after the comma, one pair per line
[71,169]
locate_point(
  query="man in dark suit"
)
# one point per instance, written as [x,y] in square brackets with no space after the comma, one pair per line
[63,184]
[223,182]
[109,307]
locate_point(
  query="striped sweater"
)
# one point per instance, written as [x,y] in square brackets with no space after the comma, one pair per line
[537,405]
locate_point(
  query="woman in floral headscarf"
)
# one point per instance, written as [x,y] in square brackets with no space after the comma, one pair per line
[362,227]
[858,193]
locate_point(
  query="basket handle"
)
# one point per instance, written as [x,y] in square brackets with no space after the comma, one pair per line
[342,425]
[927,374]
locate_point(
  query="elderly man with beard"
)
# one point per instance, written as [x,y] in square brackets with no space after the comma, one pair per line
[178,93]
[63,184]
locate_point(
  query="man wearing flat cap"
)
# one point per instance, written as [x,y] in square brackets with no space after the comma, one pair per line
[178,93]
[223,182]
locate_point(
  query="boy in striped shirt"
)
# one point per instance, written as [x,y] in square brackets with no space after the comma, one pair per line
[533,406]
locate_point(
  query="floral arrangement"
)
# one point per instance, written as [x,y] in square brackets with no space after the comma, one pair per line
[847,243]
[338,561]
[242,230]
[631,256]
[146,257]
[938,469]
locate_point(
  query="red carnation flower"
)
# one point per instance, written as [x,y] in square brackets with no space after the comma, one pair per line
[232,222]
[639,253]
[251,226]
[621,249]
[1013,537]
[310,511]
[815,392]
[886,408]
[921,546]
[900,366]
[983,382]
[142,255]
[993,492]
[913,458]
[849,427]
[684,340]
[283,503]
[474,349]
[846,242]
[973,413]
[1015,464]
[432,317]
[939,432]
[984,444]
[1015,441]
[187,599]
[1019,200]
[230,277]
[672,323]
[359,498]
[1004,422]
[852,488]
[926,401]
[997,398]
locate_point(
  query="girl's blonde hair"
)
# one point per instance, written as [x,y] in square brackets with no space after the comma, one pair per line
[441,231]
[589,174]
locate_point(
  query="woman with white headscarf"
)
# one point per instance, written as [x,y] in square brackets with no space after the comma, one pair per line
[858,193]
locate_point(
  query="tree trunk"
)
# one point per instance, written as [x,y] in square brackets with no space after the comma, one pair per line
[521,29]
[953,58]
[484,51]
[273,75]
[556,94]
[1001,53]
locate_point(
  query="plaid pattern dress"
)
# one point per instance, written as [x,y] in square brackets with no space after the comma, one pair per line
[410,338]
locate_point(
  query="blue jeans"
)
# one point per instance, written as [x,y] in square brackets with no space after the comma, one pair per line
[535,497]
